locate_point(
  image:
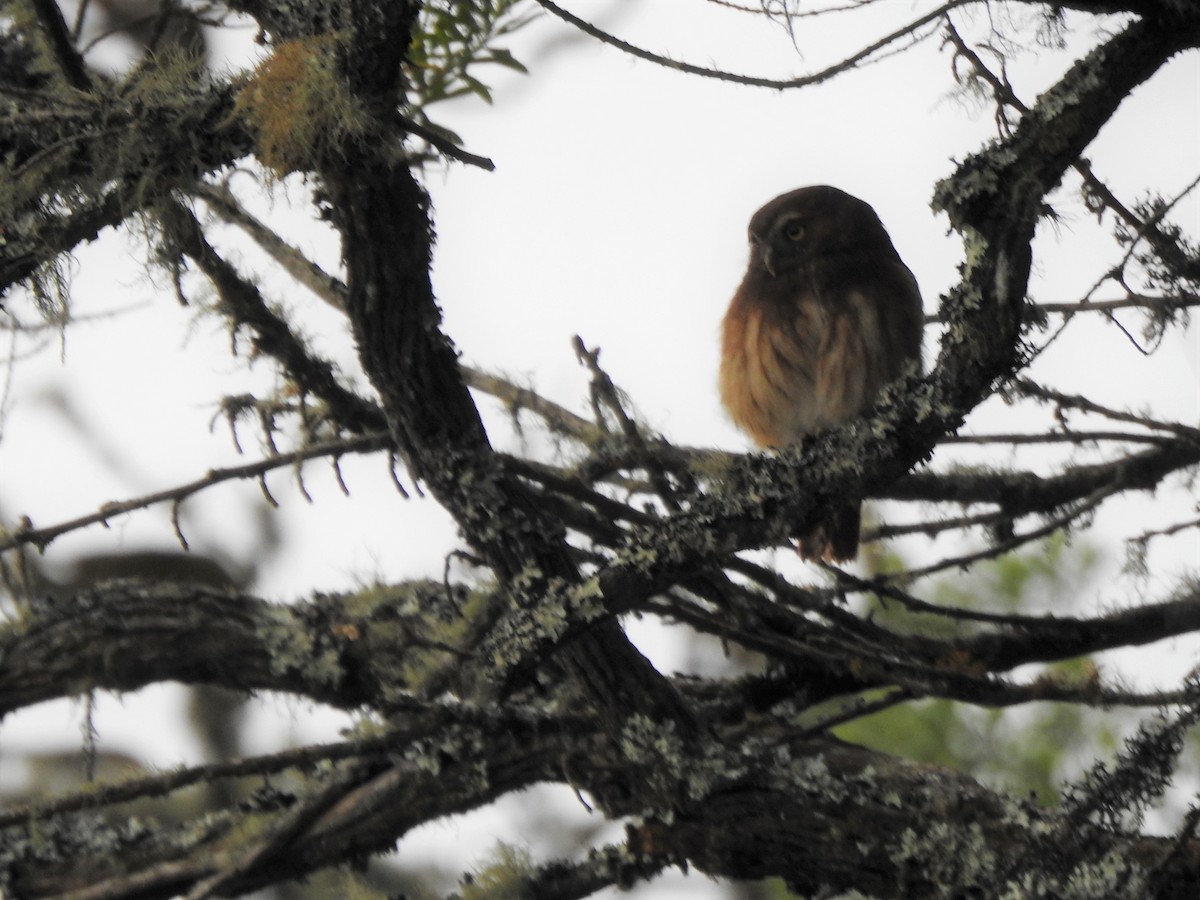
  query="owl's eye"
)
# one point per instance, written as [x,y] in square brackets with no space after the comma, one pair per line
[794,230]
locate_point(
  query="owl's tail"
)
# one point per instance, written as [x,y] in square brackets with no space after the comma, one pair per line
[835,539]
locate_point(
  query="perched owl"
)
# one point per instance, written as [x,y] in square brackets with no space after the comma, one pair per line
[825,316]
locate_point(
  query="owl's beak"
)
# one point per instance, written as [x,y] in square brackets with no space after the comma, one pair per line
[763,250]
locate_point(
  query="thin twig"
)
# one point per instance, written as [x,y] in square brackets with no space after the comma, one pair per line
[1133,301]
[803,81]
[603,390]
[447,148]
[1089,503]
[281,832]
[1077,401]
[559,419]
[858,709]
[222,202]
[42,537]
[1054,437]
[1166,532]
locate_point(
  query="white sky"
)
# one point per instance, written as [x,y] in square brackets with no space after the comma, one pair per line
[617,211]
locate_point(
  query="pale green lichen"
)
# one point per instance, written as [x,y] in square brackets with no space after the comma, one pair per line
[543,617]
[287,645]
[414,634]
[550,621]
[639,557]
[1112,875]
[505,877]
[455,756]
[1073,93]
[947,854]
[644,740]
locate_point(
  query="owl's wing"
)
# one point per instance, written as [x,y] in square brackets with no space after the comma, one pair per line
[892,289]
[880,292]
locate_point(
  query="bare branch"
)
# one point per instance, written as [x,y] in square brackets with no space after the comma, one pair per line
[911,30]
[41,538]
[291,260]
[1064,401]
[245,305]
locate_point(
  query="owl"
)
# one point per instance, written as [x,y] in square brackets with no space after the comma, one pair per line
[825,316]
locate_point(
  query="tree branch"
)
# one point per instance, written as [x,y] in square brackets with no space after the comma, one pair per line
[42,537]
[245,306]
[383,216]
[57,146]
[862,57]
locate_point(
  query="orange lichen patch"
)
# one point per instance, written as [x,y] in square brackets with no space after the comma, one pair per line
[297,102]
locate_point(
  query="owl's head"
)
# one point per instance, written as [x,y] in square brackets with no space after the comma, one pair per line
[810,224]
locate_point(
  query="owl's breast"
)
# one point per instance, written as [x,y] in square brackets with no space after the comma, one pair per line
[790,367]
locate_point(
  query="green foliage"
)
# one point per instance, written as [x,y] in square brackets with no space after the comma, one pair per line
[1026,749]
[1014,581]
[452,38]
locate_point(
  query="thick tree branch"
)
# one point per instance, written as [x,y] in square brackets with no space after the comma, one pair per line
[1020,493]
[125,635]
[1057,638]
[245,306]
[88,147]
[358,650]
[383,216]
[69,61]
[779,808]
[362,807]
